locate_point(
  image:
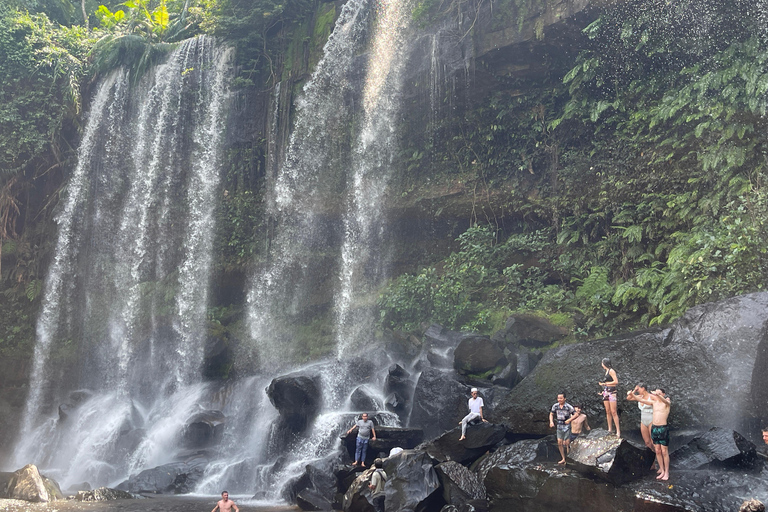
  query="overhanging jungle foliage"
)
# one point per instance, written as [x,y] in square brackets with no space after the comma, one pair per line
[639,178]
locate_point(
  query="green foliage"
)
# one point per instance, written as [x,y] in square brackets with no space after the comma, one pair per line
[645,178]
[42,67]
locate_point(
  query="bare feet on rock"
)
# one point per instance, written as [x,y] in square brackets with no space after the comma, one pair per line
[462,438]
[562,461]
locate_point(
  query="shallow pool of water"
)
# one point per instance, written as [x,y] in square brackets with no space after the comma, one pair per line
[158,504]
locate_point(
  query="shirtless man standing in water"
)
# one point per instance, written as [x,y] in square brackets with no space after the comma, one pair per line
[659,428]
[225,504]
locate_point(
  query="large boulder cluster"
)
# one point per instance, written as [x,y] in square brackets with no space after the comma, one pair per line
[705,361]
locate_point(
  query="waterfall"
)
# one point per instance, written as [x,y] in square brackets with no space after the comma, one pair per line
[327,197]
[363,253]
[303,191]
[126,295]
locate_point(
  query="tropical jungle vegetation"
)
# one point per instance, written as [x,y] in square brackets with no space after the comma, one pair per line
[632,179]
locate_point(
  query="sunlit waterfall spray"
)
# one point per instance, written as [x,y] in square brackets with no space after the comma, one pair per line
[303,189]
[363,253]
[127,291]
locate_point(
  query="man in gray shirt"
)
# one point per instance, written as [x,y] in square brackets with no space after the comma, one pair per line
[365,428]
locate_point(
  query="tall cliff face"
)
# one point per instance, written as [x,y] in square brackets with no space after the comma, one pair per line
[453,64]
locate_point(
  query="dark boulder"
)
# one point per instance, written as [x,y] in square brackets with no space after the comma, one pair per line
[714,344]
[614,460]
[310,499]
[478,356]
[529,331]
[437,336]
[440,357]
[480,438]
[411,483]
[469,506]
[28,484]
[759,386]
[103,494]
[173,478]
[363,400]
[203,430]
[297,398]
[386,439]
[540,487]
[439,402]
[394,437]
[5,478]
[717,447]
[508,376]
[460,485]
[317,481]
[519,454]
[396,403]
[711,490]
[346,476]
[399,389]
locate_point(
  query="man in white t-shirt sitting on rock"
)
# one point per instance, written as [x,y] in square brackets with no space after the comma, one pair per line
[475,411]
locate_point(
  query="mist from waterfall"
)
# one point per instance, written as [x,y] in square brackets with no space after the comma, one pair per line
[364,250]
[301,195]
[130,277]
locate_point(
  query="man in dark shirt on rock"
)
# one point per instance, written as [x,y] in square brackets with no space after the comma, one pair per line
[562,410]
[365,427]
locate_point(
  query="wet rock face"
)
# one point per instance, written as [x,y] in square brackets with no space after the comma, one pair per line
[411,480]
[411,484]
[103,494]
[519,454]
[439,402]
[297,398]
[460,485]
[614,460]
[547,487]
[386,439]
[29,485]
[530,331]
[309,499]
[759,386]
[716,447]
[701,491]
[364,401]
[706,357]
[478,355]
[174,478]
[203,430]
[730,333]
[480,438]
[399,388]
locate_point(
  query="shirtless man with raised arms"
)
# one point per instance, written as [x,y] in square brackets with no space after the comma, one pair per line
[659,428]
[225,504]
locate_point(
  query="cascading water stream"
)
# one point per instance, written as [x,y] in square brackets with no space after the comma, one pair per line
[362,253]
[302,190]
[133,256]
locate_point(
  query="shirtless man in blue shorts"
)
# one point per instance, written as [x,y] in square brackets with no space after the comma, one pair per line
[659,429]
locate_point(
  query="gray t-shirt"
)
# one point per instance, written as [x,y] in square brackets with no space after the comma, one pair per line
[365,429]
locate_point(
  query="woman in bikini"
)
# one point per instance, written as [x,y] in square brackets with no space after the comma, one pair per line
[610,381]
[646,413]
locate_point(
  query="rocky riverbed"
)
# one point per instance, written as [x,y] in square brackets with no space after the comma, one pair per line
[158,504]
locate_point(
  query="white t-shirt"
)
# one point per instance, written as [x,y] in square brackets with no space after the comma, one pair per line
[475,404]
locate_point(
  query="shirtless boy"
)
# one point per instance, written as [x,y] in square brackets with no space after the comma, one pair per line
[225,504]
[659,428]
[577,422]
